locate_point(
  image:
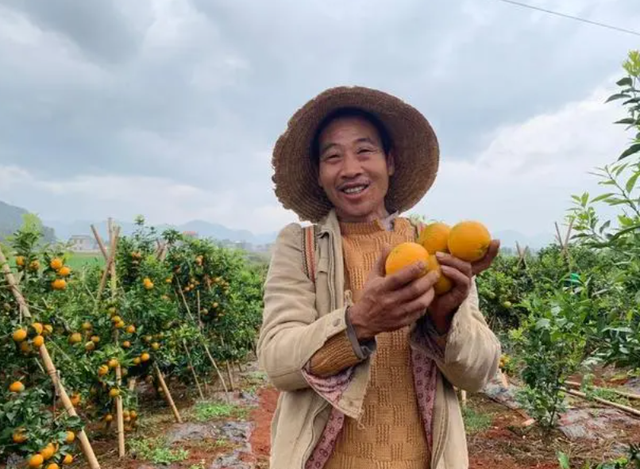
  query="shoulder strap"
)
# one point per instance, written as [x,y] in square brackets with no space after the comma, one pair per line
[309,248]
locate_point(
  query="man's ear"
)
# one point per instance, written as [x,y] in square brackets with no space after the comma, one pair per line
[391,163]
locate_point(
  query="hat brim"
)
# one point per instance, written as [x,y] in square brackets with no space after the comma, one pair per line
[416,151]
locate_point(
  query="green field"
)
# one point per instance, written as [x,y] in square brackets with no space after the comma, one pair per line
[78,260]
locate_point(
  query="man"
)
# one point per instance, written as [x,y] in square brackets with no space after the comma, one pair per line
[366,363]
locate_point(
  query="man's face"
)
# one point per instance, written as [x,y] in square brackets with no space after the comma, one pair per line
[354,170]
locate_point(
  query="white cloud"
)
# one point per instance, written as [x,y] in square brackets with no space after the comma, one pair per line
[525,177]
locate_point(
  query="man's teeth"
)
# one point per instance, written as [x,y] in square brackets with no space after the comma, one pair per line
[354,190]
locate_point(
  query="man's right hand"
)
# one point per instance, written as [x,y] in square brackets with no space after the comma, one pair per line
[389,303]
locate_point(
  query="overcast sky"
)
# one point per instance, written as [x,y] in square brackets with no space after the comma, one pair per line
[170,108]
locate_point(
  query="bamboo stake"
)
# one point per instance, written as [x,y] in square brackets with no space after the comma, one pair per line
[167,394]
[99,241]
[119,410]
[232,385]
[204,344]
[50,367]
[628,409]
[620,393]
[193,370]
[107,268]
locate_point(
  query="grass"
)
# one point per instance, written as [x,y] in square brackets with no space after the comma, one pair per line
[78,260]
[205,411]
[156,451]
[475,422]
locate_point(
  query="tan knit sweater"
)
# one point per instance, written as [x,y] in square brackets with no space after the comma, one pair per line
[391,434]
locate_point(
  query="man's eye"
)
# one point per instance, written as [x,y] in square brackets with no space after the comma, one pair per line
[365,150]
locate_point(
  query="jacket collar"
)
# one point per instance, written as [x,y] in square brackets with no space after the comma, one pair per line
[330,224]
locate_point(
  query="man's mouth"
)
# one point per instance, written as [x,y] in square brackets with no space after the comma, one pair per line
[352,190]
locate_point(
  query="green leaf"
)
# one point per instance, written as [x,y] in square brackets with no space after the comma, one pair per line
[617,96]
[635,148]
[584,200]
[631,101]
[626,81]
[631,183]
[627,120]
[602,197]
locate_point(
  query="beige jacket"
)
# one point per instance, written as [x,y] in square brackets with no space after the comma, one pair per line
[299,318]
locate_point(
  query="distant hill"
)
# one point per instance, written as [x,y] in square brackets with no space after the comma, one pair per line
[64,230]
[11,221]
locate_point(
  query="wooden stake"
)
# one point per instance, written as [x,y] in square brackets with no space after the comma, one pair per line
[107,268]
[619,393]
[99,241]
[628,409]
[204,344]
[193,370]
[230,376]
[50,367]
[167,394]
[113,243]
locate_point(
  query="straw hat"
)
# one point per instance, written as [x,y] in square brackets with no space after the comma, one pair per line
[414,142]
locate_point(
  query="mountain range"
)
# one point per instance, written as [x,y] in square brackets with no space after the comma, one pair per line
[11,219]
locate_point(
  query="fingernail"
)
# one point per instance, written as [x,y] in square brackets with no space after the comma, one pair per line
[421,265]
[439,255]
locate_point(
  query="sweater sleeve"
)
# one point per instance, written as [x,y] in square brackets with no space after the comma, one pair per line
[341,351]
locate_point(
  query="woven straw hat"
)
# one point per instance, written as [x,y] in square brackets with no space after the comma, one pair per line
[414,142]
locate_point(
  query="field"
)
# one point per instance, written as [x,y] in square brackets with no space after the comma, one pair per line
[145,357]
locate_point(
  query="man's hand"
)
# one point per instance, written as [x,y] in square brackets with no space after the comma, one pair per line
[393,302]
[460,273]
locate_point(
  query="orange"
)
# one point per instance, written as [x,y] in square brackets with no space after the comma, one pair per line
[145,357]
[113,363]
[19,335]
[37,327]
[90,346]
[108,418]
[36,461]
[25,347]
[469,241]
[75,400]
[19,436]
[443,285]
[134,414]
[48,329]
[53,466]
[131,329]
[86,326]
[434,237]
[34,266]
[126,344]
[116,319]
[114,392]
[405,254]
[16,387]
[103,370]
[48,451]
[38,341]
[119,325]
[70,437]
[56,263]
[75,338]
[155,346]
[20,261]
[64,271]
[95,339]
[136,361]
[59,284]
[68,459]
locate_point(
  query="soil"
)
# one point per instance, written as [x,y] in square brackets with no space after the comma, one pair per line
[243,441]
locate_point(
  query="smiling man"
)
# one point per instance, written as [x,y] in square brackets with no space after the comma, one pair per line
[366,363]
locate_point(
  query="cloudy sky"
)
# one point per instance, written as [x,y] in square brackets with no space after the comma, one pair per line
[170,108]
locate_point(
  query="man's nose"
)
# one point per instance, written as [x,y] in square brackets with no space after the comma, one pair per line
[351,167]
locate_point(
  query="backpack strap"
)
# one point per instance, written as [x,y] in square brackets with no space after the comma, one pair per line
[309,251]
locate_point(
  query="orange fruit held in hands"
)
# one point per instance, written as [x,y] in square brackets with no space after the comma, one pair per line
[469,241]
[403,255]
[434,237]
[443,285]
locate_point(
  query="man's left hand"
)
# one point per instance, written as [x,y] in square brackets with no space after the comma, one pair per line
[460,273]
